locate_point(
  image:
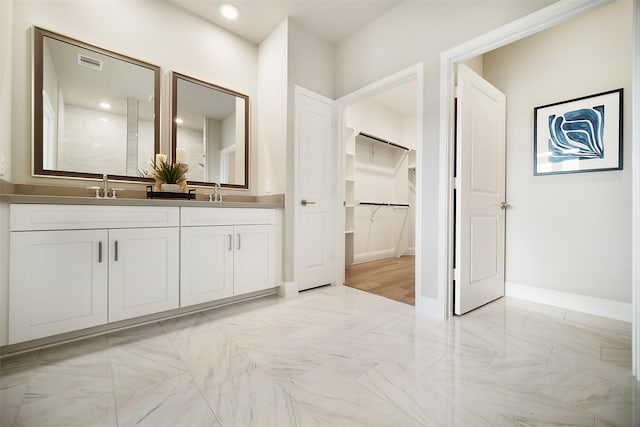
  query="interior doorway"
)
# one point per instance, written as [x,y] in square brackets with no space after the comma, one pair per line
[504,68]
[379,134]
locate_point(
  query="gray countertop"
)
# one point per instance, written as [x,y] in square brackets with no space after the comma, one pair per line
[123,201]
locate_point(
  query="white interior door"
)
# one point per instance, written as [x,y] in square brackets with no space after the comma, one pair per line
[480,192]
[315,185]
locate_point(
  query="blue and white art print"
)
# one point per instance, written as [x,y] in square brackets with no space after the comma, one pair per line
[581,135]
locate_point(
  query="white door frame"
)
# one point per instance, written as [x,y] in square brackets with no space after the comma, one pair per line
[540,20]
[414,72]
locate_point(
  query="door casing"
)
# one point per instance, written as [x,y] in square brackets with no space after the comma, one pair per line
[414,72]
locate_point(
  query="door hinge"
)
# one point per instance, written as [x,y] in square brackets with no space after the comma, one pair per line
[457,92]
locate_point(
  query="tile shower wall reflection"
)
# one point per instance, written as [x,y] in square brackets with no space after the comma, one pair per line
[94,137]
[192,141]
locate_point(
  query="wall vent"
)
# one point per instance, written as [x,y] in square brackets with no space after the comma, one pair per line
[90,62]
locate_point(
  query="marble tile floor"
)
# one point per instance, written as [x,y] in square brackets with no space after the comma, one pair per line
[334,356]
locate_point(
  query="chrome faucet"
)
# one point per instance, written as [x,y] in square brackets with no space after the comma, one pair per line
[105,189]
[215,196]
[105,186]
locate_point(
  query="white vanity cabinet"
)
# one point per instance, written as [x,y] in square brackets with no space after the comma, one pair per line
[58,282]
[76,266]
[143,271]
[206,270]
[226,252]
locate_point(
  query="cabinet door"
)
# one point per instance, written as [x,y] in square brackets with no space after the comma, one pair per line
[58,282]
[143,271]
[206,266]
[254,258]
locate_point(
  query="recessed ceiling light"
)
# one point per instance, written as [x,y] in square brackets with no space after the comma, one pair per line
[229,11]
[179,120]
[105,105]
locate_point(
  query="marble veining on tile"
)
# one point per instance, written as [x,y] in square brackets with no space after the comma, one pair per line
[334,356]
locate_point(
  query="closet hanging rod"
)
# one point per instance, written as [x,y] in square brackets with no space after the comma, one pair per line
[384,141]
[395,205]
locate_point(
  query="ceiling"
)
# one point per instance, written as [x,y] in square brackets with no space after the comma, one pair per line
[331,20]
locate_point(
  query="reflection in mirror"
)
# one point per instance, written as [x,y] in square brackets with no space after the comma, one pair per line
[95,111]
[210,132]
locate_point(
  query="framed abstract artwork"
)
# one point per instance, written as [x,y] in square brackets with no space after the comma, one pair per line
[580,135]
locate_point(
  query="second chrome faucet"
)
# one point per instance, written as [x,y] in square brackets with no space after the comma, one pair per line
[215,196]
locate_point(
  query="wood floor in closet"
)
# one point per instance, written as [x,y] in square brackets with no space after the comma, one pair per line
[392,278]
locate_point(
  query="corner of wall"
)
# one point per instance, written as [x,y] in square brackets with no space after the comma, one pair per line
[272,112]
[6,61]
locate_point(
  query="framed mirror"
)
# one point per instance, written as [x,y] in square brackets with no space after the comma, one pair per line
[210,132]
[95,111]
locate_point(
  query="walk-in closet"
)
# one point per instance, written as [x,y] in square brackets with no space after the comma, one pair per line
[380,189]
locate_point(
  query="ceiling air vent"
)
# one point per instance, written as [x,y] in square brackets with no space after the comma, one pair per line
[90,62]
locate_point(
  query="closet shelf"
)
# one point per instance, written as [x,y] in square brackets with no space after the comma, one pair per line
[348,232]
[383,141]
[393,205]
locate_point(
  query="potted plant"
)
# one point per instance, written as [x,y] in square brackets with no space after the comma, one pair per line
[169,176]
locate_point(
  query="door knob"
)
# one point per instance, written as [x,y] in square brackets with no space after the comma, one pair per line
[304,202]
[504,205]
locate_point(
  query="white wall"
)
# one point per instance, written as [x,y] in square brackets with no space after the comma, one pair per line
[568,233]
[155,32]
[272,111]
[6,26]
[311,61]
[6,49]
[410,33]
[375,119]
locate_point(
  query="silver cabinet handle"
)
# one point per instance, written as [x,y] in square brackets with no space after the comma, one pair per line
[100,251]
[304,202]
[238,240]
[230,241]
[504,205]
[115,248]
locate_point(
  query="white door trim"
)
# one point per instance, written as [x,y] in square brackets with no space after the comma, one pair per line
[413,72]
[540,20]
[635,189]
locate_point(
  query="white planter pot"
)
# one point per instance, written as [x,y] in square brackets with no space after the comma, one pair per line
[174,188]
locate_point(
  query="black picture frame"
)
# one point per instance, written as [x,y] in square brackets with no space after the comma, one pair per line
[579,135]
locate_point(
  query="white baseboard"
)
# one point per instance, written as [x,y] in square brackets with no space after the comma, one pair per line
[410,251]
[374,256]
[288,290]
[592,305]
[431,307]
